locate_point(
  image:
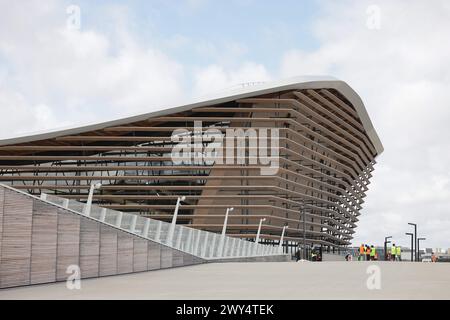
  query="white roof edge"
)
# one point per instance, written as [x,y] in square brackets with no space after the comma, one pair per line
[308,82]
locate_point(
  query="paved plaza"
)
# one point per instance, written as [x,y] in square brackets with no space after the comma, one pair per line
[268,280]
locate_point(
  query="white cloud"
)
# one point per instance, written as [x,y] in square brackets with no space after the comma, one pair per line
[215,78]
[402,74]
[81,76]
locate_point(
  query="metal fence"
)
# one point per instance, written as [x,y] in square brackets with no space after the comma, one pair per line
[207,245]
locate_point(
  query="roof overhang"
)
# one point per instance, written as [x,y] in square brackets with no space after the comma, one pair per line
[310,82]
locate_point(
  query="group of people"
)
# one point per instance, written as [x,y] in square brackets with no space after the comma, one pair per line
[395,254]
[369,253]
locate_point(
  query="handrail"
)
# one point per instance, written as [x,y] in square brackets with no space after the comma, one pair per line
[203,244]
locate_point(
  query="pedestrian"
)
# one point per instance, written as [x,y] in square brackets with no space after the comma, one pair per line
[393,252]
[361,252]
[433,257]
[297,255]
[372,253]
[367,253]
[398,253]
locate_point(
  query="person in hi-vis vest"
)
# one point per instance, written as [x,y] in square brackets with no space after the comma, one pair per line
[393,252]
[372,253]
[361,252]
[398,253]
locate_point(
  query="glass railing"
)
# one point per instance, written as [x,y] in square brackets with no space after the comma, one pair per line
[207,245]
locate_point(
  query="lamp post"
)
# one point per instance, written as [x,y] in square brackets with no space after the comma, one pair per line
[87,207]
[259,229]
[418,247]
[257,235]
[224,230]
[174,221]
[412,244]
[304,234]
[280,245]
[415,238]
[386,241]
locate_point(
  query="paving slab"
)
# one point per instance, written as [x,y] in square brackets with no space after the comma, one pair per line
[265,280]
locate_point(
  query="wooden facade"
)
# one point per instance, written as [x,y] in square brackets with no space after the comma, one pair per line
[39,242]
[326,158]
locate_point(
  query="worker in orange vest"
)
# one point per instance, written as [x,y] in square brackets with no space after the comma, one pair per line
[361,252]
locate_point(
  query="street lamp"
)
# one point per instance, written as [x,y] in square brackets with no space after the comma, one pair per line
[174,221]
[304,233]
[386,241]
[418,247]
[412,244]
[259,229]
[280,245]
[257,235]
[415,237]
[224,230]
[87,207]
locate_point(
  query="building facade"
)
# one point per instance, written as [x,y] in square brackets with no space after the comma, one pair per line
[308,169]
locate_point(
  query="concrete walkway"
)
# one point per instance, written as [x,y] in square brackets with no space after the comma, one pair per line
[268,280]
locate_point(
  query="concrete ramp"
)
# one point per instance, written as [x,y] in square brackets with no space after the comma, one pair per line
[40,242]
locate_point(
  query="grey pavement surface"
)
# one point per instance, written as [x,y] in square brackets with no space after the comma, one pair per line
[265,280]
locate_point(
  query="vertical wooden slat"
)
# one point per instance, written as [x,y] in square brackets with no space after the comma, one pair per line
[177,258]
[125,253]
[108,251]
[89,248]
[166,257]
[16,240]
[68,250]
[140,252]
[154,256]
[43,245]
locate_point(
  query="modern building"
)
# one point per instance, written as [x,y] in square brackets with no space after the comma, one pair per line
[309,171]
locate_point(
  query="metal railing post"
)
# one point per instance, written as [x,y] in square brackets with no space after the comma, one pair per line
[205,245]
[178,243]
[146,228]
[197,242]
[103,215]
[133,223]
[119,219]
[158,232]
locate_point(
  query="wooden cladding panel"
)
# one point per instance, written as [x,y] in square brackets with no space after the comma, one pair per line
[89,248]
[16,240]
[177,258]
[124,254]
[43,243]
[188,259]
[108,251]
[68,243]
[166,257]
[154,256]
[140,252]
[39,242]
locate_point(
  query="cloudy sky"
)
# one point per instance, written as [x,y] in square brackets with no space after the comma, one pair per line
[123,58]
